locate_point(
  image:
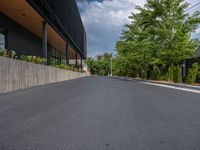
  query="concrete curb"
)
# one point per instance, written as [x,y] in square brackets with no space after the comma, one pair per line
[180,85]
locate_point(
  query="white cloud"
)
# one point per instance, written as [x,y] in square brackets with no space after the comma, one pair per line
[196,34]
[104,22]
[192,2]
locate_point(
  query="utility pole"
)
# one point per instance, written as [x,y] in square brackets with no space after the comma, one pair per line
[111,66]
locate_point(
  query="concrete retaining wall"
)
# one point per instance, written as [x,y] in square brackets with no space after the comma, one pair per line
[17,74]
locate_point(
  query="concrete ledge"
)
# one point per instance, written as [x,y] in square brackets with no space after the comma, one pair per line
[17,74]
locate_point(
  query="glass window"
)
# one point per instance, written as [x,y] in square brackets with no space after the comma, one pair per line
[56,57]
[54,60]
[2,41]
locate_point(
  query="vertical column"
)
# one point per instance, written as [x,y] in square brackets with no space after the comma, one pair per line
[111,68]
[6,39]
[44,39]
[81,63]
[76,60]
[67,58]
[60,55]
[184,71]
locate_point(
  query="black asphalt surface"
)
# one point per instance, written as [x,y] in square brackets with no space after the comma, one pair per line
[100,113]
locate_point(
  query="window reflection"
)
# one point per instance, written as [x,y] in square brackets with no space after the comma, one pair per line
[2,41]
[57,57]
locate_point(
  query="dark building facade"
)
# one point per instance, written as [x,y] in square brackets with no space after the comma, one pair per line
[45,28]
[18,38]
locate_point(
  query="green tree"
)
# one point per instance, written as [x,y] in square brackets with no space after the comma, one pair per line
[100,65]
[159,34]
[155,75]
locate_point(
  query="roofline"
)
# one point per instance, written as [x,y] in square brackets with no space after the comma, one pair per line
[67,37]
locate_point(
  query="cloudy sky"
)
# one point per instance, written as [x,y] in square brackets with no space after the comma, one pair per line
[104,21]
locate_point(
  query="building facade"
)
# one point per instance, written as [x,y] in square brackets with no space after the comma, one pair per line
[52,29]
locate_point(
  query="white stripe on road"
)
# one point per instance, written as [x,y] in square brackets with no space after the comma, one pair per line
[173,87]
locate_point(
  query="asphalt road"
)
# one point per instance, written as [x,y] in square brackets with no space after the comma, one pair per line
[100,113]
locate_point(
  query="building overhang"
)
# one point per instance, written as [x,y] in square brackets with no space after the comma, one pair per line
[24,14]
[65,18]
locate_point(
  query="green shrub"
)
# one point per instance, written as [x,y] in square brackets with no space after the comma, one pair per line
[192,73]
[163,73]
[4,53]
[63,66]
[198,74]
[76,69]
[66,67]
[33,59]
[40,60]
[155,74]
[8,53]
[23,57]
[169,74]
[177,74]
[12,54]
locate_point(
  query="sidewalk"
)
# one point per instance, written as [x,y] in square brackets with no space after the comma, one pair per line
[179,85]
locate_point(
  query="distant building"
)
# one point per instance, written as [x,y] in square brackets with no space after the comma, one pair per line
[47,28]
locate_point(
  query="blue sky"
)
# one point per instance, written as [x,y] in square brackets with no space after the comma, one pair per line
[104,21]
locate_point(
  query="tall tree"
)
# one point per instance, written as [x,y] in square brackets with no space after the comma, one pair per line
[159,34]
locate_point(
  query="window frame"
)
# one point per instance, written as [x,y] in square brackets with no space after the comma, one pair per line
[4,32]
[57,57]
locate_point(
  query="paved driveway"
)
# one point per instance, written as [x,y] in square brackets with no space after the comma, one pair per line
[100,113]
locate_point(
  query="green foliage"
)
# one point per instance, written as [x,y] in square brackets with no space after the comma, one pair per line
[62,66]
[33,59]
[76,69]
[155,75]
[159,34]
[192,73]
[36,59]
[67,67]
[91,65]
[177,74]
[101,65]
[170,73]
[8,53]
